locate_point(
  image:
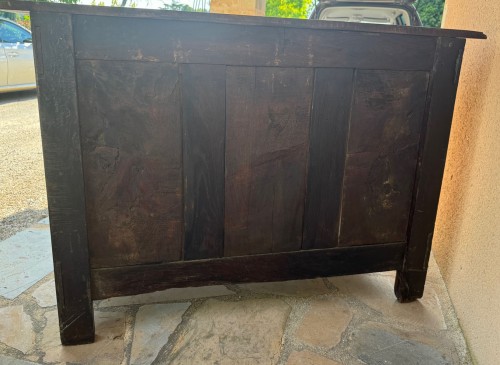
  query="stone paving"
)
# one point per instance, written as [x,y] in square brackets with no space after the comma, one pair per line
[348,320]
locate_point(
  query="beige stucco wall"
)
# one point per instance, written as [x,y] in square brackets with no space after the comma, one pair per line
[467,234]
[239,7]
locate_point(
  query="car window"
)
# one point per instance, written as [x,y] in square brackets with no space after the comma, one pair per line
[366,14]
[11,33]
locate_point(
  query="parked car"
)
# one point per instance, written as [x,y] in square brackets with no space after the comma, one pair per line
[17,67]
[390,12]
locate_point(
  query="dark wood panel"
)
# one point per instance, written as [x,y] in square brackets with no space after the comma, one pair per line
[323,48]
[439,114]
[328,140]
[267,267]
[386,120]
[176,41]
[268,113]
[64,175]
[131,138]
[204,123]
[213,43]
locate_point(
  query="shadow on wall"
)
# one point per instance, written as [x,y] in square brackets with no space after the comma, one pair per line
[462,149]
[19,221]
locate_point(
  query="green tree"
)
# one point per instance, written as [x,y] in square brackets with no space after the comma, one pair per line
[431,12]
[288,8]
[176,6]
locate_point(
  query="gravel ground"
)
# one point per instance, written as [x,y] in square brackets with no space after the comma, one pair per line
[23,199]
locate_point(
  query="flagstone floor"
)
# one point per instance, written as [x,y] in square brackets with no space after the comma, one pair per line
[348,320]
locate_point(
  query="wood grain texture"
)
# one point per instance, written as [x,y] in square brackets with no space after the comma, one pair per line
[256,268]
[327,149]
[176,41]
[64,175]
[204,123]
[439,114]
[230,44]
[323,48]
[131,134]
[268,116]
[385,126]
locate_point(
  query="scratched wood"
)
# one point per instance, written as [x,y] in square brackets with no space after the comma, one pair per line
[268,117]
[327,149]
[129,280]
[385,126]
[321,48]
[131,133]
[175,41]
[410,280]
[203,116]
[231,44]
[174,139]
[60,129]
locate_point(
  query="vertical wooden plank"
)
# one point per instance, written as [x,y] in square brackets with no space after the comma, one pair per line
[384,133]
[268,113]
[441,101]
[203,118]
[132,157]
[63,173]
[328,139]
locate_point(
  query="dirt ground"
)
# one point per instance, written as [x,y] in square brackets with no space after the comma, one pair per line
[22,183]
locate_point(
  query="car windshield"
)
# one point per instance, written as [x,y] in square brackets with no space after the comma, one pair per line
[11,33]
[366,14]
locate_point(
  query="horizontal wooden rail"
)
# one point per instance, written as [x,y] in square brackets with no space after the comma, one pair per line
[130,280]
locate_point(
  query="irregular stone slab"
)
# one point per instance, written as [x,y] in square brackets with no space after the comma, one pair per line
[376,344]
[45,294]
[377,291]
[4,360]
[153,326]
[225,333]
[16,328]
[299,288]
[324,322]
[25,259]
[108,348]
[174,294]
[309,358]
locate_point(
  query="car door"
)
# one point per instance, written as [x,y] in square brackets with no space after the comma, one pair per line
[18,49]
[3,66]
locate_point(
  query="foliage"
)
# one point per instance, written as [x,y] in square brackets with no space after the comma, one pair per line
[7,15]
[21,19]
[431,12]
[176,6]
[288,8]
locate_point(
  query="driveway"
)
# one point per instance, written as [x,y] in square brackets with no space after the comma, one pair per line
[22,182]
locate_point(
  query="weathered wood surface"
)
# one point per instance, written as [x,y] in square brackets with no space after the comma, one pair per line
[242,269]
[410,280]
[203,116]
[231,44]
[329,128]
[60,128]
[192,149]
[268,112]
[386,119]
[132,159]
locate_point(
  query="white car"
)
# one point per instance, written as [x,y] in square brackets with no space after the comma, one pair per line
[389,12]
[17,67]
